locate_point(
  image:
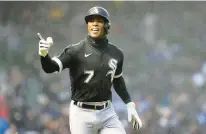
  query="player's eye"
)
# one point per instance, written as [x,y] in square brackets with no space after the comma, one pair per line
[91,20]
[98,20]
[101,20]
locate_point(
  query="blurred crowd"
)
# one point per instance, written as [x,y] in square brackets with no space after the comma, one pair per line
[164,66]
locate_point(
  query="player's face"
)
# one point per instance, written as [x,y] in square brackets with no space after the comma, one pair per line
[96,27]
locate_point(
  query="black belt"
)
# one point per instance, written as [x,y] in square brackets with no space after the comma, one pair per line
[94,107]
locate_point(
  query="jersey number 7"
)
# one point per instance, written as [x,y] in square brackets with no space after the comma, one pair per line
[90,75]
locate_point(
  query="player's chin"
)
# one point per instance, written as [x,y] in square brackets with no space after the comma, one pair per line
[95,35]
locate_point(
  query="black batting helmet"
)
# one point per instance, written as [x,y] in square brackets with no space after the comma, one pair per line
[99,11]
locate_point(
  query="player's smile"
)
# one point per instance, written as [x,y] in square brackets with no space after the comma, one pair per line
[95,29]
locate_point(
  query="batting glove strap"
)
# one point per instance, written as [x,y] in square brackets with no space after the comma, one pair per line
[133,116]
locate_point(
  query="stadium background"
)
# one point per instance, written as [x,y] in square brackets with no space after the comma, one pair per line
[164,67]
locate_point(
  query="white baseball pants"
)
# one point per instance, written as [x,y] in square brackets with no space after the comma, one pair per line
[87,121]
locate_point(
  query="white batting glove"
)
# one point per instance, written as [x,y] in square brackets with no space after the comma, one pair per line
[133,116]
[44,45]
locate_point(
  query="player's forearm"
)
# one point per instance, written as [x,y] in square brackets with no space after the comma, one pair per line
[120,88]
[48,65]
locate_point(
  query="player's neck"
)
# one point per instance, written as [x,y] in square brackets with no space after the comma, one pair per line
[99,42]
[102,38]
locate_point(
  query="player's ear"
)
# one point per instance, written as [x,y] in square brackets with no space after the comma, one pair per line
[106,28]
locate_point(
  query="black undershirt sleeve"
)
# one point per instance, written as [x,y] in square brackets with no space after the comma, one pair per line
[48,65]
[120,88]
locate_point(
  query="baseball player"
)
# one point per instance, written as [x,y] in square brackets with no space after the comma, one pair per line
[95,65]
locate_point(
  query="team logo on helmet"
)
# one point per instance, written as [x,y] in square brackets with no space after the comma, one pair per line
[96,10]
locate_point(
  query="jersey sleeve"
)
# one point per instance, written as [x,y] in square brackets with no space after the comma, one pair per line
[65,59]
[119,70]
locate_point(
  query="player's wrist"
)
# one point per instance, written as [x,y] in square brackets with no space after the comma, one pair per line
[130,104]
[128,100]
[44,56]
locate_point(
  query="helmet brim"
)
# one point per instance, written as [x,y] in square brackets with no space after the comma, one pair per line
[90,17]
